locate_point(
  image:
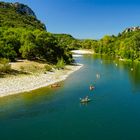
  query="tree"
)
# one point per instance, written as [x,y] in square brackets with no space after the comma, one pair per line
[28,46]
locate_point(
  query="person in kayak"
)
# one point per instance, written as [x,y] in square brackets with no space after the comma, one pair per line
[91,87]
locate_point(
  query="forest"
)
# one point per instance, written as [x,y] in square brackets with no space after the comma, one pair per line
[23,36]
[125,45]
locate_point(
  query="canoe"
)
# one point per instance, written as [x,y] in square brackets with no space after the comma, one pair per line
[55,85]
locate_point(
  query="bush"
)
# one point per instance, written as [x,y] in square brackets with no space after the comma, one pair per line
[4,65]
[60,64]
[48,67]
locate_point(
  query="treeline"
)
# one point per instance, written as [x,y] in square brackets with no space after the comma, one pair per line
[69,41]
[38,44]
[124,46]
[22,43]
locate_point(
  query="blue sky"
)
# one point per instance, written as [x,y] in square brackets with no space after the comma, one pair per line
[86,18]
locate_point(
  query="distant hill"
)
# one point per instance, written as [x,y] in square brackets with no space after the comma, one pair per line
[68,41]
[18,15]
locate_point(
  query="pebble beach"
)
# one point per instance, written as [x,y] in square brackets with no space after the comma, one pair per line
[19,84]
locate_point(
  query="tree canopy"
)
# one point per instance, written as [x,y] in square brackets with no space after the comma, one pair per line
[24,36]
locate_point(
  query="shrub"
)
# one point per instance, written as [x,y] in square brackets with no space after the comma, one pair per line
[4,65]
[60,64]
[48,67]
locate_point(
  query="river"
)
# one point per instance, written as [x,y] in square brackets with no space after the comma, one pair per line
[56,114]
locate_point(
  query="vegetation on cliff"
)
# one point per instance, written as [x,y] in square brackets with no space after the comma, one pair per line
[23,36]
[16,15]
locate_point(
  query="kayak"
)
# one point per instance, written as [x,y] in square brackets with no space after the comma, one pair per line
[55,85]
[85,100]
[91,87]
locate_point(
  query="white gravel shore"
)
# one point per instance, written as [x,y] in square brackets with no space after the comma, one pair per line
[20,84]
[81,52]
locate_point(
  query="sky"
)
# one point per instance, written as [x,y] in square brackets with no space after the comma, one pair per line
[90,19]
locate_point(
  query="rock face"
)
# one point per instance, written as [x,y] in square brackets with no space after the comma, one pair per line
[20,8]
[131,29]
[19,15]
[24,9]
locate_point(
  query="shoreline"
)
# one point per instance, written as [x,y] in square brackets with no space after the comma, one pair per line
[20,84]
[82,52]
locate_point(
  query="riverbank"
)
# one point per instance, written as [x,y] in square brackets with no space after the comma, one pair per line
[82,52]
[25,83]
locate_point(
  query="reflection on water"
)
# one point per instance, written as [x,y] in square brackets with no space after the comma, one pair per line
[131,68]
[21,104]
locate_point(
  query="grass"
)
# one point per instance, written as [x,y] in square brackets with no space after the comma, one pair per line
[30,66]
[24,67]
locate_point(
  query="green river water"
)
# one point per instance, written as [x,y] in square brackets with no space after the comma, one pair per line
[56,114]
